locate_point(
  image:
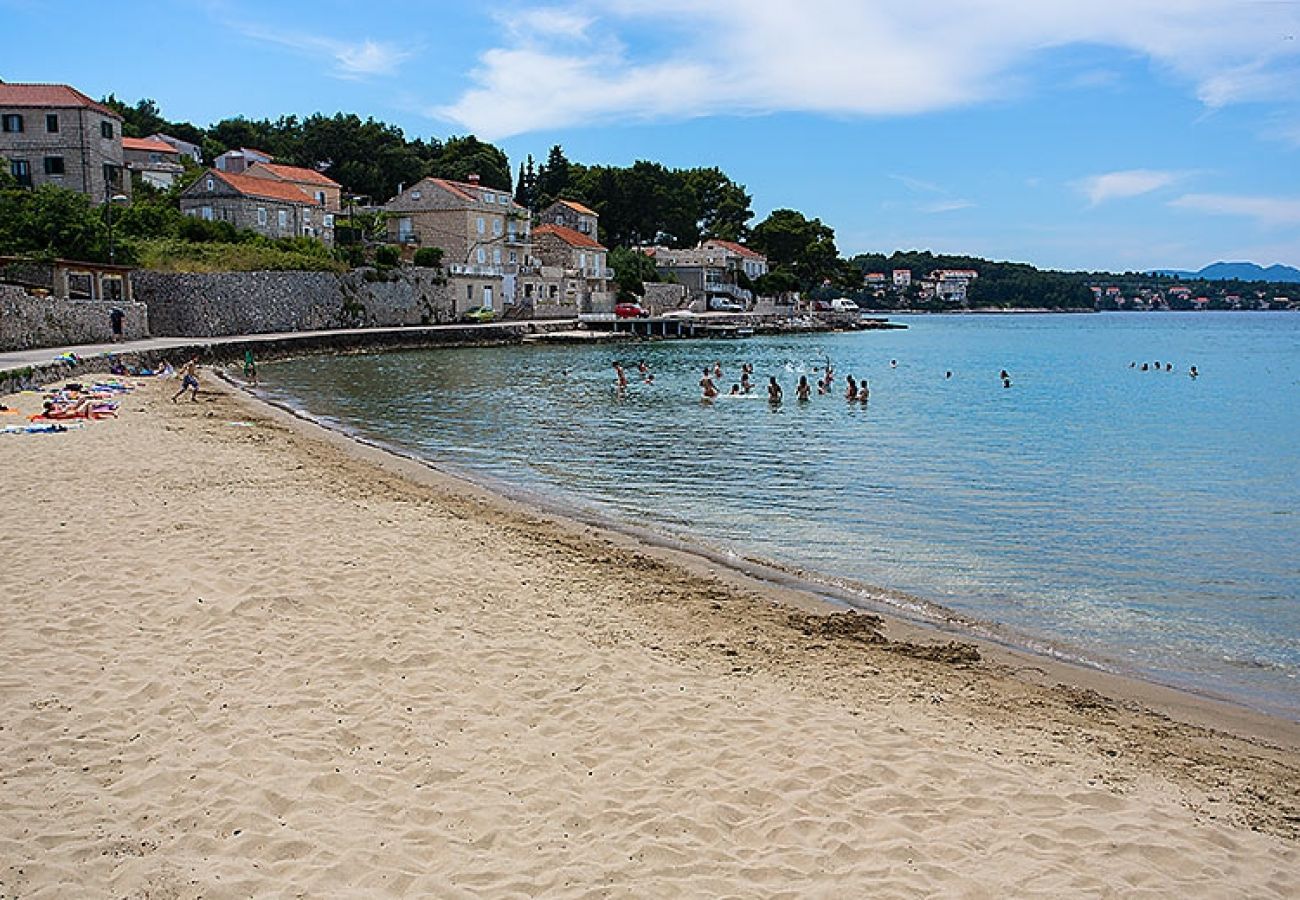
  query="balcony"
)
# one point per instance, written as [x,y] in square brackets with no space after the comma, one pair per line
[476,270]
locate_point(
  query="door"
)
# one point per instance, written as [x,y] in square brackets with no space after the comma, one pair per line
[487,298]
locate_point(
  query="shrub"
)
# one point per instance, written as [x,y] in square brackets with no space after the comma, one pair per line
[387,255]
[429,257]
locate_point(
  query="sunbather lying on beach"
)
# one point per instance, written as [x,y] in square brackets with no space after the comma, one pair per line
[84,408]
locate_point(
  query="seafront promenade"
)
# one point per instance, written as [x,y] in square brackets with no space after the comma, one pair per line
[45,364]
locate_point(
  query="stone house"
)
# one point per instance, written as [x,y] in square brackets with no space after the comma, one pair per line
[154,162]
[711,271]
[571,270]
[54,134]
[484,235]
[572,214]
[236,161]
[325,190]
[272,208]
[184,148]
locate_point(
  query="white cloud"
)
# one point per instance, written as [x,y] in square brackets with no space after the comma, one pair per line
[682,58]
[943,206]
[1265,210]
[352,59]
[1126,183]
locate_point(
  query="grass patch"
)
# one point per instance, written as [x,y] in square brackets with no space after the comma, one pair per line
[174,255]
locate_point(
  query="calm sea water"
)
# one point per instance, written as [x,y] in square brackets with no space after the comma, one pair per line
[1144,521]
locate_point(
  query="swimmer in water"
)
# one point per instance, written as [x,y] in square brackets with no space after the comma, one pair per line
[864,392]
[745,384]
[717,368]
[707,387]
[735,390]
[893,364]
[1169,367]
[773,390]
[947,374]
[1193,373]
[803,391]
[621,375]
[851,392]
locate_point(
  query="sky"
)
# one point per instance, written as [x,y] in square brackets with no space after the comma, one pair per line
[1102,135]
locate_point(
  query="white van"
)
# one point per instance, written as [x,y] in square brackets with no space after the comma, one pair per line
[844,305]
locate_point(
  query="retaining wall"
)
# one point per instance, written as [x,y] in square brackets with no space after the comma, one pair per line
[28,321]
[230,303]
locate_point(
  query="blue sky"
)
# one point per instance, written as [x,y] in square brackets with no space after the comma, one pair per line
[1112,134]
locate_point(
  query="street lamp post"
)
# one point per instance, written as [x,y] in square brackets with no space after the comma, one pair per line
[115,198]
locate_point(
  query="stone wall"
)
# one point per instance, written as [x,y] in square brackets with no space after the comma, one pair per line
[660,298]
[227,303]
[28,321]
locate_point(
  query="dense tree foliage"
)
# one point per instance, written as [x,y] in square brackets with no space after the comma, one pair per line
[50,221]
[999,284]
[801,250]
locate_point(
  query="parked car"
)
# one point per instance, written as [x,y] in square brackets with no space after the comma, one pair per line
[845,305]
[722,304]
[821,306]
[631,311]
[478,314]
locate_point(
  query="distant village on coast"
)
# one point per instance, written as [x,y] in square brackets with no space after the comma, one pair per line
[200,232]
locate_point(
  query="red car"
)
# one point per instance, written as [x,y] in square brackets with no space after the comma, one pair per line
[631,311]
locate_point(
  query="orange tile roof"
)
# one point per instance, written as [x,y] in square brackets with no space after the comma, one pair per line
[569,236]
[736,248]
[268,188]
[55,96]
[579,208]
[295,173]
[147,145]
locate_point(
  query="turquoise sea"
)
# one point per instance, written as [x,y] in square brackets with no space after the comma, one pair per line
[1146,522]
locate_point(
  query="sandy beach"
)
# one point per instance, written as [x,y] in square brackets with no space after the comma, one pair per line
[241,656]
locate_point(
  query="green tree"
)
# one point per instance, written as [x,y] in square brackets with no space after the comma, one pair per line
[631,270]
[803,247]
[461,157]
[526,185]
[554,178]
[723,207]
[51,221]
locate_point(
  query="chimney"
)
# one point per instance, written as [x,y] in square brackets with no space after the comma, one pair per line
[473,179]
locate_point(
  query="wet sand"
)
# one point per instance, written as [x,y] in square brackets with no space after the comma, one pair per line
[241,656]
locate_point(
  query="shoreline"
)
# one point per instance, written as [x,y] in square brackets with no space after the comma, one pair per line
[908,616]
[261,654]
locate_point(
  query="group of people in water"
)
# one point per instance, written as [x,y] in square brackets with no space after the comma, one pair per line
[1167,367]
[854,391]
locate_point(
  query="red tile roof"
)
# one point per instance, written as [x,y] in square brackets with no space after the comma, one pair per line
[147,145]
[579,208]
[466,191]
[268,188]
[736,248]
[294,173]
[53,96]
[569,236]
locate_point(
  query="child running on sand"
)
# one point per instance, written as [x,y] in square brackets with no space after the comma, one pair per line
[189,380]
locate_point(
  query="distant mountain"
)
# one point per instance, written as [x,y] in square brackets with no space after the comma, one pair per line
[1241,271]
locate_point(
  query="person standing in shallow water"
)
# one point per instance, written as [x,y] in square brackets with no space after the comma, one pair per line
[707,387]
[804,390]
[851,391]
[773,390]
[620,375]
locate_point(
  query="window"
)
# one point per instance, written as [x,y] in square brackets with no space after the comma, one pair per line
[496,227]
[106,129]
[12,122]
[469,292]
[555,290]
[52,123]
[582,260]
[306,217]
[481,227]
[283,220]
[496,257]
[514,257]
[482,256]
[504,200]
[207,213]
[54,165]
[22,171]
[528,290]
[320,197]
[490,198]
[112,175]
[415,194]
[328,220]
[261,215]
[212,184]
